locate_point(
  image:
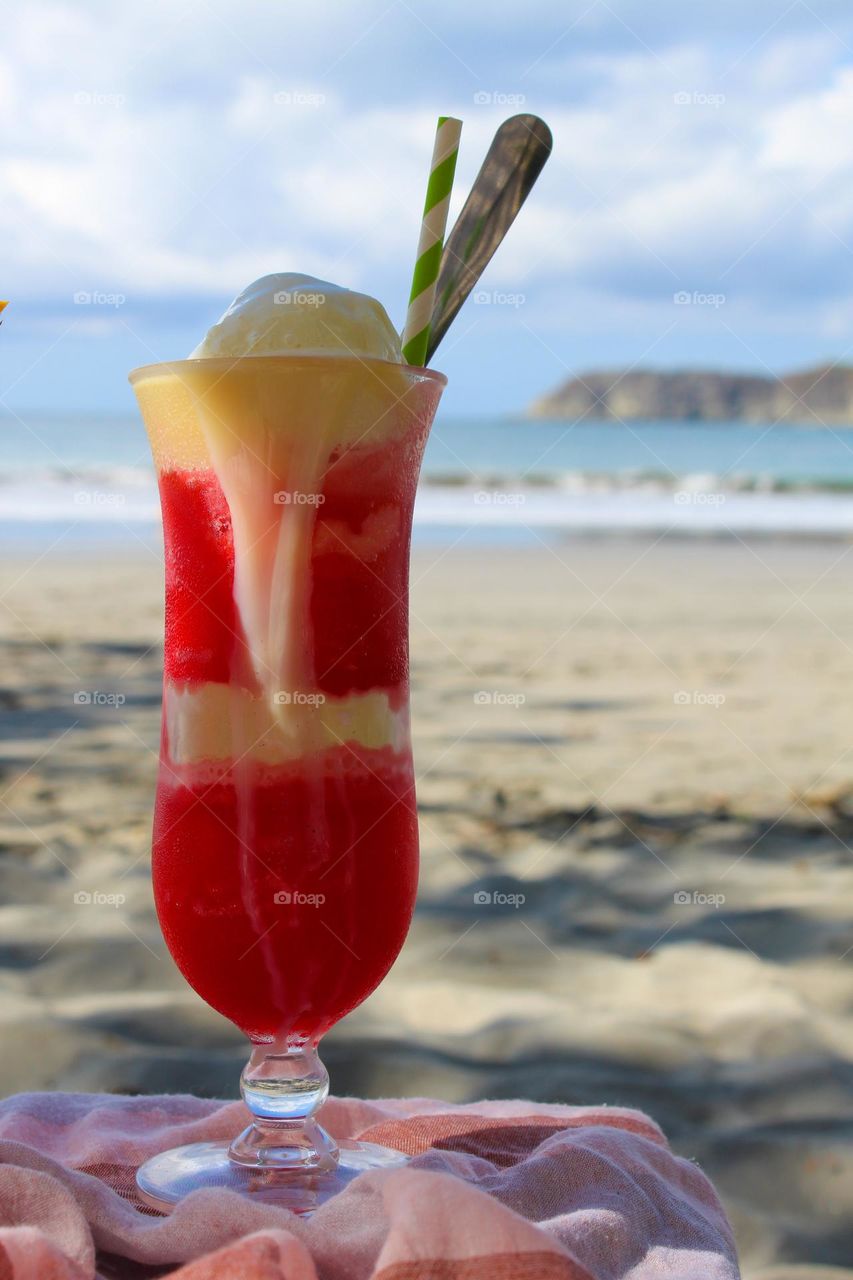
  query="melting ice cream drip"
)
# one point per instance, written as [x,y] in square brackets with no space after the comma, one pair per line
[272,537]
[273,534]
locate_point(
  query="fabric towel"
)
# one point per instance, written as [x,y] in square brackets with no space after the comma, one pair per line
[495,1191]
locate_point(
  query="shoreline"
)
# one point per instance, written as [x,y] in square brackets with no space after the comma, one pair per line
[21,541]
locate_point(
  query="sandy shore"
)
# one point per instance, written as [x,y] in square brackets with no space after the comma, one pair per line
[650,742]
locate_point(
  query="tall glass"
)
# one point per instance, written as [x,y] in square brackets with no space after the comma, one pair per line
[285,845]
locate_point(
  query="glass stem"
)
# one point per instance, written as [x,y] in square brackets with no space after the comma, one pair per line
[283,1089]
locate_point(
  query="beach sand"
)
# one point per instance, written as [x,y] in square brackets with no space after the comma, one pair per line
[649,741]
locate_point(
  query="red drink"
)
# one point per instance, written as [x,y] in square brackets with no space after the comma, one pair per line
[285,837]
[335,831]
[273,956]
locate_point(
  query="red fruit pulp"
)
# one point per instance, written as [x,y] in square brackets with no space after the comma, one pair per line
[288,917]
[286,891]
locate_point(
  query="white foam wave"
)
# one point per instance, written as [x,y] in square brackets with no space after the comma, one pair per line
[625,502]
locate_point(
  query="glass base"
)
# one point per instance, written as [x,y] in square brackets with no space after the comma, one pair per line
[165,1179]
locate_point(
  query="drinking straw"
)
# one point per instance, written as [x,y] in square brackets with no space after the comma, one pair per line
[431,242]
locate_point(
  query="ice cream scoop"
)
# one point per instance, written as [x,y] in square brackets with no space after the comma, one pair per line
[269,429]
[286,313]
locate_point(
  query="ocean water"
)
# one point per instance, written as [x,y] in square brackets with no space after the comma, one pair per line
[496,479]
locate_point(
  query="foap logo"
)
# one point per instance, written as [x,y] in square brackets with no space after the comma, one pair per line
[497,698]
[98,498]
[296,698]
[94,98]
[695,298]
[696,498]
[98,298]
[498,498]
[686,98]
[296,498]
[696,898]
[296,898]
[488,898]
[98,698]
[495,298]
[298,98]
[297,298]
[698,698]
[83,898]
[496,98]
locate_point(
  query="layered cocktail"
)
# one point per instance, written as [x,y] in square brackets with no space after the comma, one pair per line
[285,840]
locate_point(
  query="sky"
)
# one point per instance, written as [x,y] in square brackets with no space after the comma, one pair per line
[155,158]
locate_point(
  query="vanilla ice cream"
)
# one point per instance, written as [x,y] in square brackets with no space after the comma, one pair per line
[288,313]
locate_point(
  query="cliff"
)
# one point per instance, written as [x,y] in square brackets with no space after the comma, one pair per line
[817,396]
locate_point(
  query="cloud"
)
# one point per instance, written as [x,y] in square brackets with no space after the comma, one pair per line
[182,149]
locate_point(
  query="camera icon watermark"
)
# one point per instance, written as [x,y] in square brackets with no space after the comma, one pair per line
[296,698]
[499,498]
[696,898]
[98,498]
[695,498]
[497,698]
[488,898]
[495,98]
[98,698]
[93,98]
[296,898]
[298,298]
[698,698]
[497,298]
[298,98]
[296,498]
[685,98]
[98,298]
[83,898]
[696,298]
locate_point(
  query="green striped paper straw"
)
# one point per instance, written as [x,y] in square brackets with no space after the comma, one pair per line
[431,242]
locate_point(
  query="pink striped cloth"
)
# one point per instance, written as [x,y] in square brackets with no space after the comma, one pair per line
[496,1191]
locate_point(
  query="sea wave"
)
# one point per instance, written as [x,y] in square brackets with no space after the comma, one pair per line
[625,501]
[646,481]
[80,495]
